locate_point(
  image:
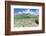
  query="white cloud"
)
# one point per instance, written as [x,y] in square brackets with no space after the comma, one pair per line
[19,12]
[28,11]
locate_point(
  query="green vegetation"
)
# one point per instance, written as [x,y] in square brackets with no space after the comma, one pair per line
[24,19]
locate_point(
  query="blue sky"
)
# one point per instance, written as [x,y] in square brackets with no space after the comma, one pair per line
[16,10]
[26,10]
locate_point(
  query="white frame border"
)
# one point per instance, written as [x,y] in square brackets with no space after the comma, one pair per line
[25,28]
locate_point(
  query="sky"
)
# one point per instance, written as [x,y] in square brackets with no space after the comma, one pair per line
[26,10]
